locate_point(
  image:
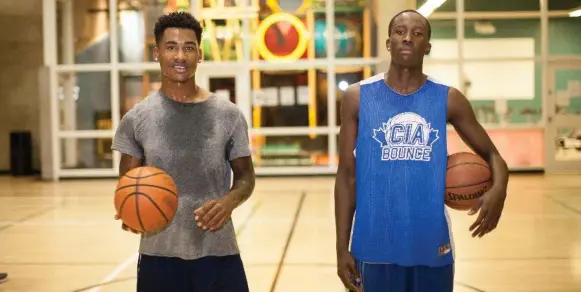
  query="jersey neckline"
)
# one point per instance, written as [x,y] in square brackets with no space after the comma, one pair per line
[383,81]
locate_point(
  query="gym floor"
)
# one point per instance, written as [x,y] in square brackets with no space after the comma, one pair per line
[61,237]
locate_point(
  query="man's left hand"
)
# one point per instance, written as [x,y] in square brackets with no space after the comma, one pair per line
[490,206]
[214,214]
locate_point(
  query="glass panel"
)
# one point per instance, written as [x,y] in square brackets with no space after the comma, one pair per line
[345,76]
[284,26]
[568,143]
[223,40]
[83,32]
[136,22]
[224,88]
[568,92]
[282,99]
[498,101]
[444,43]
[84,101]
[502,38]
[86,153]
[281,32]
[502,5]
[354,26]
[134,86]
[283,151]
[447,6]
[564,4]
[564,36]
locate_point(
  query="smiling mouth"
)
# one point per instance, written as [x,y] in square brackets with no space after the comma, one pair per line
[180,68]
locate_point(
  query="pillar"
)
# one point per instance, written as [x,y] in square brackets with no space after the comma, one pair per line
[69,83]
[383,13]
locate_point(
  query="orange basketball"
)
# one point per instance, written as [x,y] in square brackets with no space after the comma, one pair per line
[468,177]
[146,199]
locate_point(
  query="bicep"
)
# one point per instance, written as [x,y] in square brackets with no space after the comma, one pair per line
[462,117]
[128,163]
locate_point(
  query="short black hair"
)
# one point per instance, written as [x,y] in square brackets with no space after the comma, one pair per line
[412,11]
[177,20]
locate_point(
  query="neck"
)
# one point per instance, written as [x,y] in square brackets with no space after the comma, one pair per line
[181,91]
[405,80]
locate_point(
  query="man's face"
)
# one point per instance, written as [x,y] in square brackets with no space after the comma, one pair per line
[408,42]
[178,54]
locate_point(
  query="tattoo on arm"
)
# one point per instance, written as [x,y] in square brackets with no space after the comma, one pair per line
[244,180]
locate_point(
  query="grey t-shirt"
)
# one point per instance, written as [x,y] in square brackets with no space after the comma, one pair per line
[193,143]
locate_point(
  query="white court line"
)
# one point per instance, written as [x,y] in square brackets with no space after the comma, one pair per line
[118,270]
[121,267]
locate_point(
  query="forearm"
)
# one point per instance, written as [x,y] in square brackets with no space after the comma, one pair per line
[499,170]
[241,190]
[344,210]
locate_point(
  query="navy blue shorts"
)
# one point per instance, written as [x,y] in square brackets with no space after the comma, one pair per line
[394,278]
[208,274]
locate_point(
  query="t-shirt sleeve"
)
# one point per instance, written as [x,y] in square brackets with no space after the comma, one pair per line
[238,143]
[125,140]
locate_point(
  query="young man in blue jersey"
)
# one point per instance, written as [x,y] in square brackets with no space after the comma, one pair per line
[392,172]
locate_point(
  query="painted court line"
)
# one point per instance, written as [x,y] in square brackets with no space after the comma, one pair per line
[121,267]
[118,270]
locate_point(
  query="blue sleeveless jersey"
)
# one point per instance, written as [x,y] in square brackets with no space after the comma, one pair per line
[401,160]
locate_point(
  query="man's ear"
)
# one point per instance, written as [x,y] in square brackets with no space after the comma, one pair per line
[155,53]
[428,49]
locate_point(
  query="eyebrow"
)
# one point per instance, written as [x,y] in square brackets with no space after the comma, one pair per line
[413,27]
[175,43]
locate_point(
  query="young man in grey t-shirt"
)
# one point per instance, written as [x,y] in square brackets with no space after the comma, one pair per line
[197,139]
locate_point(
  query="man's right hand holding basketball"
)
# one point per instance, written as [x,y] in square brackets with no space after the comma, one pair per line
[125,227]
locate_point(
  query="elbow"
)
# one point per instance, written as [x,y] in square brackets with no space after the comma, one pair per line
[345,179]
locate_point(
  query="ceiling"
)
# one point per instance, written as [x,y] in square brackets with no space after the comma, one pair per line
[506,5]
[28,7]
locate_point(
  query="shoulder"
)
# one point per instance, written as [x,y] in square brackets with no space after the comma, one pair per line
[227,110]
[455,96]
[439,83]
[135,119]
[353,92]
[143,107]
[375,79]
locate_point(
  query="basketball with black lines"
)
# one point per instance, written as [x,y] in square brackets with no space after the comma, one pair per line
[146,199]
[468,177]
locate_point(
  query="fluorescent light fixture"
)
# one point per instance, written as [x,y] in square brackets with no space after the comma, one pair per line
[575,13]
[429,7]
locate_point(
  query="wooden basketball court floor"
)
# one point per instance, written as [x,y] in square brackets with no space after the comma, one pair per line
[61,237]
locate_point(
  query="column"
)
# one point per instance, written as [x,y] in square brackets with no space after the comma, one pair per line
[383,13]
[69,84]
